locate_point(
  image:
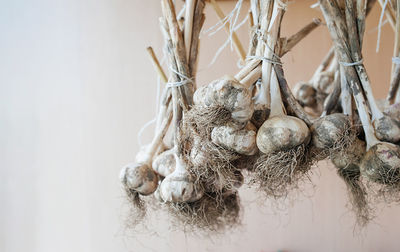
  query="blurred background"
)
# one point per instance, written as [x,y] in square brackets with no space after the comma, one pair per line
[76,86]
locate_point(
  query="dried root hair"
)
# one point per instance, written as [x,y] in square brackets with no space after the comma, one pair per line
[217,172]
[344,143]
[387,193]
[245,162]
[203,119]
[137,211]
[357,193]
[280,172]
[207,214]
[217,167]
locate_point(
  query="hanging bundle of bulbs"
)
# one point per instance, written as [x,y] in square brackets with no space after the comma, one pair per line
[209,138]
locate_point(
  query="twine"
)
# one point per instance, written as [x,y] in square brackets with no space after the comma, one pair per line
[184,80]
[396,60]
[277,62]
[349,64]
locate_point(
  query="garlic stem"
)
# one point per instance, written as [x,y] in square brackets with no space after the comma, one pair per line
[277,107]
[325,62]
[189,11]
[252,77]
[333,97]
[247,69]
[345,100]
[157,139]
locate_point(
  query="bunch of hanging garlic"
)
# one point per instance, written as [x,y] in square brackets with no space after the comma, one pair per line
[252,121]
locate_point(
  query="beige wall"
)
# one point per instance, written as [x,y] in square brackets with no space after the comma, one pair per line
[76,86]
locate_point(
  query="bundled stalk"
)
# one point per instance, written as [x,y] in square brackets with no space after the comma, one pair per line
[281,139]
[381,162]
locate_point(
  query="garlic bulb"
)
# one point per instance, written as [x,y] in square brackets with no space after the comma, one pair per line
[381,163]
[352,156]
[306,94]
[393,111]
[242,141]
[282,133]
[164,164]
[229,93]
[387,129]
[140,178]
[178,186]
[328,130]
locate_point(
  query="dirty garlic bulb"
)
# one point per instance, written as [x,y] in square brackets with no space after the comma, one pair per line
[230,94]
[164,164]
[387,129]
[352,156]
[305,94]
[281,133]
[329,130]
[241,141]
[381,163]
[179,186]
[393,111]
[140,178]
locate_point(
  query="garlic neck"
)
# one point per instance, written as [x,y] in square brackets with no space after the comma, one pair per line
[277,107]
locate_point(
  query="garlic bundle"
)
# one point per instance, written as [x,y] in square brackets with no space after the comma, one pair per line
[380,163]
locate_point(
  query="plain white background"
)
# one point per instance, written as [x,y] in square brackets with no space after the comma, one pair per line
[75,88]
